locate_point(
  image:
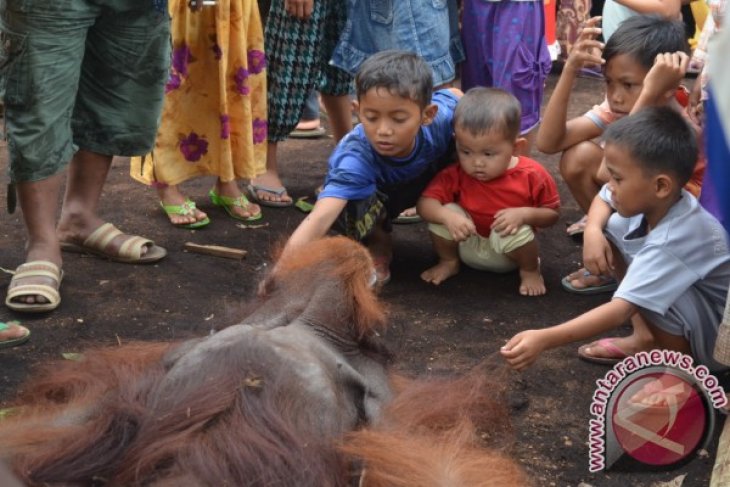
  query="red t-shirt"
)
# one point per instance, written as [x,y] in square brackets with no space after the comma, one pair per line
[526,184]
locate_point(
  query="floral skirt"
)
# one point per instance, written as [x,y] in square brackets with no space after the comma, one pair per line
[214,116]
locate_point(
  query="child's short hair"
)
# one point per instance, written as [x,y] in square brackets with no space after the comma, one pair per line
[483,110]
[643,37]
[402,73]
[659,139]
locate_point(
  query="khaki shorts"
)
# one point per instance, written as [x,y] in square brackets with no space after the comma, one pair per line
[86,74]
[486,254]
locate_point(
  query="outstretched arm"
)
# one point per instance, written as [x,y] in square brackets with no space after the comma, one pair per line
[524,348]
[556,133]
[317,223]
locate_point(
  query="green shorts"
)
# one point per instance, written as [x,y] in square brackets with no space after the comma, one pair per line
[80,74]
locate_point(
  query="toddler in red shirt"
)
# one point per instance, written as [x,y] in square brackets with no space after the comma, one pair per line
[483,210]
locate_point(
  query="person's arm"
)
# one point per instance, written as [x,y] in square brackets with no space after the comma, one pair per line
[508,220]
[460,227]
[662,80]
[556,133]
[317,223]
[524,348]
[666,8]
[597,253]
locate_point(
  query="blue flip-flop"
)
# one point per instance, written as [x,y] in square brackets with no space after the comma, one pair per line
[608,285]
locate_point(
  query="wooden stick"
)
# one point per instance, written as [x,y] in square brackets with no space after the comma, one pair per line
[215,250]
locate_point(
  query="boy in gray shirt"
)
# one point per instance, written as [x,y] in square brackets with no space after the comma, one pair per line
[670,255]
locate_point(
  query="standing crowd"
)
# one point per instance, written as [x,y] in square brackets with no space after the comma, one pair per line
[84,80]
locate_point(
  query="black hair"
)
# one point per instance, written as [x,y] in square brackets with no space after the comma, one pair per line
[402,73]
[659,139]
[643,37]
[483,110]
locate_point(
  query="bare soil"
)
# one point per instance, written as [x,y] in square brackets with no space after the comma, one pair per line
[445,329]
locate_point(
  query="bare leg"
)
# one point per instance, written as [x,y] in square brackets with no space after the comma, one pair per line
[645,336]
[448,264]
[579,167]
[39,202]
[340,117]
[86,176]
[171,195]
[528,261]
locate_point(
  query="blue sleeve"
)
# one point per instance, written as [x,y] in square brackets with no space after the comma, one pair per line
[441,130]
[351,173]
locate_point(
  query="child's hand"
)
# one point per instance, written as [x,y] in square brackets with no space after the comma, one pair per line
[508,221]
[460,227]
[587,49]
[665,75]
[597,253]
[523,349]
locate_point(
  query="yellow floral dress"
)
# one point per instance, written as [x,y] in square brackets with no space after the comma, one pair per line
[214,116]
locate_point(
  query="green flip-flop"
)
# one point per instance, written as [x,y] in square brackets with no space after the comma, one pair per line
[229,203]
[186,209]
[14,341]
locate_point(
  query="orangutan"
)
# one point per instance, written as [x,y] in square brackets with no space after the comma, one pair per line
[271,401]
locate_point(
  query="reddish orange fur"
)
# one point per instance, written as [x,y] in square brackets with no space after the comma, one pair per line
[236,418]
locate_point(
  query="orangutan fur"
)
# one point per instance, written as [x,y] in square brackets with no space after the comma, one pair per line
[298,393]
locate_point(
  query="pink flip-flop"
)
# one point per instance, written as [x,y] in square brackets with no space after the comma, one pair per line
[615,354]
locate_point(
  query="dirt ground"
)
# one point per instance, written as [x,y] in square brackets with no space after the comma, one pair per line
[447,329]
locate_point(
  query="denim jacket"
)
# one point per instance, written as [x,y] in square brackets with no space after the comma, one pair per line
[427,27]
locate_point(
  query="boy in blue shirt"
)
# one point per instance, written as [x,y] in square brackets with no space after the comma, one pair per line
[382,166]
[670,255]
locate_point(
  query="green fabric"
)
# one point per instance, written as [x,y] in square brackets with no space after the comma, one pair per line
[85,74]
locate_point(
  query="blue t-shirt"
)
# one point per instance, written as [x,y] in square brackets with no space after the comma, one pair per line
[356,170]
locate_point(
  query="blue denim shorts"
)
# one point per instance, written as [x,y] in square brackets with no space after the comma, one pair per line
[86,74]
[428,28]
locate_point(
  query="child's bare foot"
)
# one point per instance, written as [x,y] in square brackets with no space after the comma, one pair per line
[532,283]
[441,271]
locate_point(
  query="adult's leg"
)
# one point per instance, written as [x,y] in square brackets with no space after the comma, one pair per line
[45,41]
[120,95]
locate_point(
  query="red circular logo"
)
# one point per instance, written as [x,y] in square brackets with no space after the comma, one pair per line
[659,418]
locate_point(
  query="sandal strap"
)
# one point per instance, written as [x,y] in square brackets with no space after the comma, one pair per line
[240,202]
[45,290]
[38,268]
[101,237]
[131,248]
[186,209]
